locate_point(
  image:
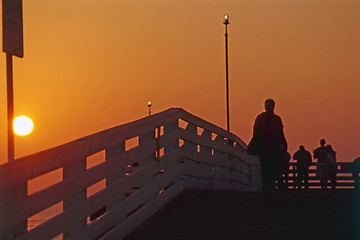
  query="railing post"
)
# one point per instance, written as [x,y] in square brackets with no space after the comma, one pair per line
[219,140]
[144,138]
[168,129]
[191,128]
[111,154]
[70,170]
[206,135]
[17,193]
[255,173]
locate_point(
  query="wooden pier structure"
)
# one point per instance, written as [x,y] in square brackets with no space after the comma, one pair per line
[167,161]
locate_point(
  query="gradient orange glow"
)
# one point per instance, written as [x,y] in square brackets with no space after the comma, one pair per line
[89,65]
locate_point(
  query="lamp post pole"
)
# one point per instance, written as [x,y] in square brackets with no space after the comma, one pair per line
[226,22]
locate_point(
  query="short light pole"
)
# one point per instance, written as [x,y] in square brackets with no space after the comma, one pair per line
[149,105]
[226,22]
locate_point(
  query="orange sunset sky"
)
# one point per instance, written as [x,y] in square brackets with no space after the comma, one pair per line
[93,64]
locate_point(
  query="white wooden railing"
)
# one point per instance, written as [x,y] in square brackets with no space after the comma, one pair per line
[172,151]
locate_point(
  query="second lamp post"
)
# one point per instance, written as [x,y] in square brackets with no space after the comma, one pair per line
[226,22]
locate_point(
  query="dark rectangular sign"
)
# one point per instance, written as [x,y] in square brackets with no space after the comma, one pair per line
[13,27]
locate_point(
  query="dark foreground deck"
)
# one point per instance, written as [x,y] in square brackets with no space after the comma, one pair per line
[312,214]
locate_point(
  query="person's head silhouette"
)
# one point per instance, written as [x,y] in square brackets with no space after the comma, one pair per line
[322,142]
[269,105]
[302,148]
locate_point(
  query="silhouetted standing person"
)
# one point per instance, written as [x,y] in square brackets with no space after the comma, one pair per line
[326,168]
[321,167]
[270,144]
[304,159]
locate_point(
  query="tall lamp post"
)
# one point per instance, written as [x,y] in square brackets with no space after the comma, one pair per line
[226,22]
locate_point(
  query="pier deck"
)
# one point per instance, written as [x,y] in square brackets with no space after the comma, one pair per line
[312,214]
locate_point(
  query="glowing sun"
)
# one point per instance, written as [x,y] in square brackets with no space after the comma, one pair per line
[23,125]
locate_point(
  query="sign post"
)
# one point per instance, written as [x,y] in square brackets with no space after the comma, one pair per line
[10,106]
[12,45]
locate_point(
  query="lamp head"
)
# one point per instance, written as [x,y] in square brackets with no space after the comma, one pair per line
[226,19]
[149,104]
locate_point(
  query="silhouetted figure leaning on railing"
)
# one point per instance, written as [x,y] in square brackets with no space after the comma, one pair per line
[332,166]
[269,143]
[355,170]
[304,160]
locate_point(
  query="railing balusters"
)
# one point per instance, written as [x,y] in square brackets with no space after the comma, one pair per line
[144,174]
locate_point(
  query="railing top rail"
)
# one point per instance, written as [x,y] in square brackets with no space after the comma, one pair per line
[93,143]
[210,126]
[292,163]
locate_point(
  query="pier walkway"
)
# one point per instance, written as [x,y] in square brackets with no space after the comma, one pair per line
[312,214]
